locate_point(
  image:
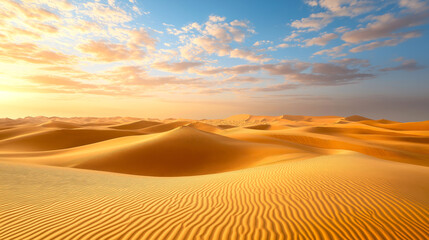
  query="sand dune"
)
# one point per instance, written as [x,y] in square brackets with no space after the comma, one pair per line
[356,118]
[60,139]
[19,131]
[225,126]
[164,127]
[267,127]
[410,126]
[346,196]
[243,177]
[136,125]
[184,151]
[59,124]
[205,127]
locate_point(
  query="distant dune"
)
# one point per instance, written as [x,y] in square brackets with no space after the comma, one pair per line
[164,127]
[356,118]
[136,125]
[59,124]
[242,177]
[409,126]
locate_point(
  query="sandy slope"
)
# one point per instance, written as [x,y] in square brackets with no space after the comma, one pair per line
[248,177]
[345,196]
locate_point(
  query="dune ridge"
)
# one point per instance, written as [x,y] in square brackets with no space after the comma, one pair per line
[136,125]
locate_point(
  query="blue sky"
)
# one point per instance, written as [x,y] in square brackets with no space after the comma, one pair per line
[208,59]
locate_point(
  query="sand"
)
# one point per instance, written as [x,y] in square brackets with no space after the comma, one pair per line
[243,177]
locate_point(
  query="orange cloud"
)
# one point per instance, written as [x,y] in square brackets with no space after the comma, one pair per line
[27,11]
[62,5]
[139,37]
[44,27]
[175,67]
[13,32]
[110,52]
[137,76]
[32,53]
[57,81]
[106,14]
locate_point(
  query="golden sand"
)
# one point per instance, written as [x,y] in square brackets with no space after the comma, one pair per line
[244,177]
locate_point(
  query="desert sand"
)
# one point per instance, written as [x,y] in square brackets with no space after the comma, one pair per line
[242,177]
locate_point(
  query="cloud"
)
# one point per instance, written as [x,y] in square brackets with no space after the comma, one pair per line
[238,23]
[62,5]
[244,79]
[46,28]
[341,29]
[385,26]
[215,37]
[178,67]
[312,3]
[211,45]
[276,87]
[137,76]
[313,23]
[322,40]
[414,5]
[247,55]
[28,12]
[32,89]
[222,31]
[352,62]
[104,51]
[406,65]
[83,26]
[57,81]
[262,42]
[105,14]
[140,37]
[388,42]
[126,80]
[110,52]
[63,70]
[282,45]
[291,37]
[346,7]
[220,48]
[286,68]
[238,69]
[334,8]
[304,73]
[12,32]
[32,53]
[333,52]
[214,18]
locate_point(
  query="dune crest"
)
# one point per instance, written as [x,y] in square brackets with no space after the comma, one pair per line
[136,125]
[59,124]
[356,118]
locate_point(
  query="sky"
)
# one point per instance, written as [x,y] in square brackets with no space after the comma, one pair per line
[214,58]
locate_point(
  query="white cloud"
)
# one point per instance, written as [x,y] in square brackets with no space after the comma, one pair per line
[214,18]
